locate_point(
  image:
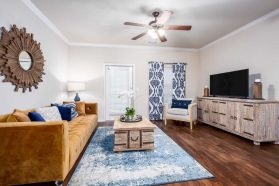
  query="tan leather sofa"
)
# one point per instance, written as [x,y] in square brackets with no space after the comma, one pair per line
[32,152]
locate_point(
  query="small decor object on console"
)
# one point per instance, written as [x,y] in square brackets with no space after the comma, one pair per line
[257,89]
[21,59]
[206,91]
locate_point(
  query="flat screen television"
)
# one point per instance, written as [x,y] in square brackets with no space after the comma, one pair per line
[230,84]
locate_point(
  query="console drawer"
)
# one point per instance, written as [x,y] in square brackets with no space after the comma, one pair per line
[248,127]
[248,111]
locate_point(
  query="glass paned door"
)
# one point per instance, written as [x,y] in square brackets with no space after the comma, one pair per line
[119,82]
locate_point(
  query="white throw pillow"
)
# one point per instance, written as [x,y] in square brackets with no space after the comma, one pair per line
[49,113]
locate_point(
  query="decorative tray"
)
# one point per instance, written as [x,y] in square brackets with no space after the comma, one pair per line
[137,118]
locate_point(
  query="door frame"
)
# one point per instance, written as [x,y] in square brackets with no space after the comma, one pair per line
[105,80]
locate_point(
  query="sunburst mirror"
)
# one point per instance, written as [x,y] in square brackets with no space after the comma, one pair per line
[21,59]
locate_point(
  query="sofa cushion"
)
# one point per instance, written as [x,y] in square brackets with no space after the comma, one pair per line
[49,113]
[18,116]
[181,103]
[35,116]
[80,130]
[178,111]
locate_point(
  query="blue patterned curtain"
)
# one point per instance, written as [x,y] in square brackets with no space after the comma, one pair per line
[156,86]
[178,81]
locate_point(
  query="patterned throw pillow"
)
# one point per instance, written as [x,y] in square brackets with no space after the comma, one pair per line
[49,113]
[65,112]
[74,113]
[73,107]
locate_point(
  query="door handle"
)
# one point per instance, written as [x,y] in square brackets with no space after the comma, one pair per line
[235,118]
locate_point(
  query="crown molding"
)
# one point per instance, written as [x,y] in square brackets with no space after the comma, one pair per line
[36,11]
[131,46]
[44,18]
[243,28]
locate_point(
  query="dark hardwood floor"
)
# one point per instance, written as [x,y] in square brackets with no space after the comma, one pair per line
[231,159]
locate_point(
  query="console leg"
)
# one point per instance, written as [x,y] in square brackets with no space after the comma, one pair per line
[276,142]
[257,143]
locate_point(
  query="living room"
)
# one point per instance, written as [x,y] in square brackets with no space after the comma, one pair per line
[87,44]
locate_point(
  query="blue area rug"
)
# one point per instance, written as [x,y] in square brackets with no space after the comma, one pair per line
[168,163]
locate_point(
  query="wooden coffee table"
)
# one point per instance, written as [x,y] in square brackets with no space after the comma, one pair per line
[133,136]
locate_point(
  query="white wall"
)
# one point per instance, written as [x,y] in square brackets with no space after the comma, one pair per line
[87,64]
[55,53]
[256,48]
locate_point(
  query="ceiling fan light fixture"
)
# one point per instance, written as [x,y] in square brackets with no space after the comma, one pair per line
[152,34]
[161,32]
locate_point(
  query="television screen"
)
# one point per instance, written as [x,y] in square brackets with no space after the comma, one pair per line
[231,84]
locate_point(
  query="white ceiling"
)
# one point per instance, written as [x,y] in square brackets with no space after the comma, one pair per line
[101,21]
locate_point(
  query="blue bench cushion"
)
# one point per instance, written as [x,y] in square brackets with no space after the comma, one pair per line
[180,103]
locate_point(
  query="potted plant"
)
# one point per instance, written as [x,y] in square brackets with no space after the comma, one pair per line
[130,113]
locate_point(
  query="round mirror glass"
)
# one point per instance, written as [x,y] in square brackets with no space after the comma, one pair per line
[25,60]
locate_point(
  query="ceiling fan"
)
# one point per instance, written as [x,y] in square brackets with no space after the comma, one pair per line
[157,27]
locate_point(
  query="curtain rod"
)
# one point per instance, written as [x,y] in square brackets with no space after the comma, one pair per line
[174,63]
[169,63]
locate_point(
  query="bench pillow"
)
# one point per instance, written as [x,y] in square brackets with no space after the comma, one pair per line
[183,104]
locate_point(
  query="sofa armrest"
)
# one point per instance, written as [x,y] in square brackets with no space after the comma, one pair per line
[91,108]
[33,152]
[193,111]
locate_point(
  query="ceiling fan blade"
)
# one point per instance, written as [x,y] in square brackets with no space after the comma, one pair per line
[177,27]
[161,37]
[164,17]
[135,24]
[139,36]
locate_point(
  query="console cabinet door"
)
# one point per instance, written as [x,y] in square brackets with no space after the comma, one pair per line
[231,120]
[248,125]
[237,117]
[200,109]
[213,112]
[206,105]
[234,120]
[223,114]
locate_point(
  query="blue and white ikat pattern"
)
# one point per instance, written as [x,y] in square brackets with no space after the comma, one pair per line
[168,163]
[178,81]
[156,87]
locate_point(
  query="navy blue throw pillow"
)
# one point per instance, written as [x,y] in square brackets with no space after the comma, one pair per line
[35,116]
[65,112]
[180,103]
